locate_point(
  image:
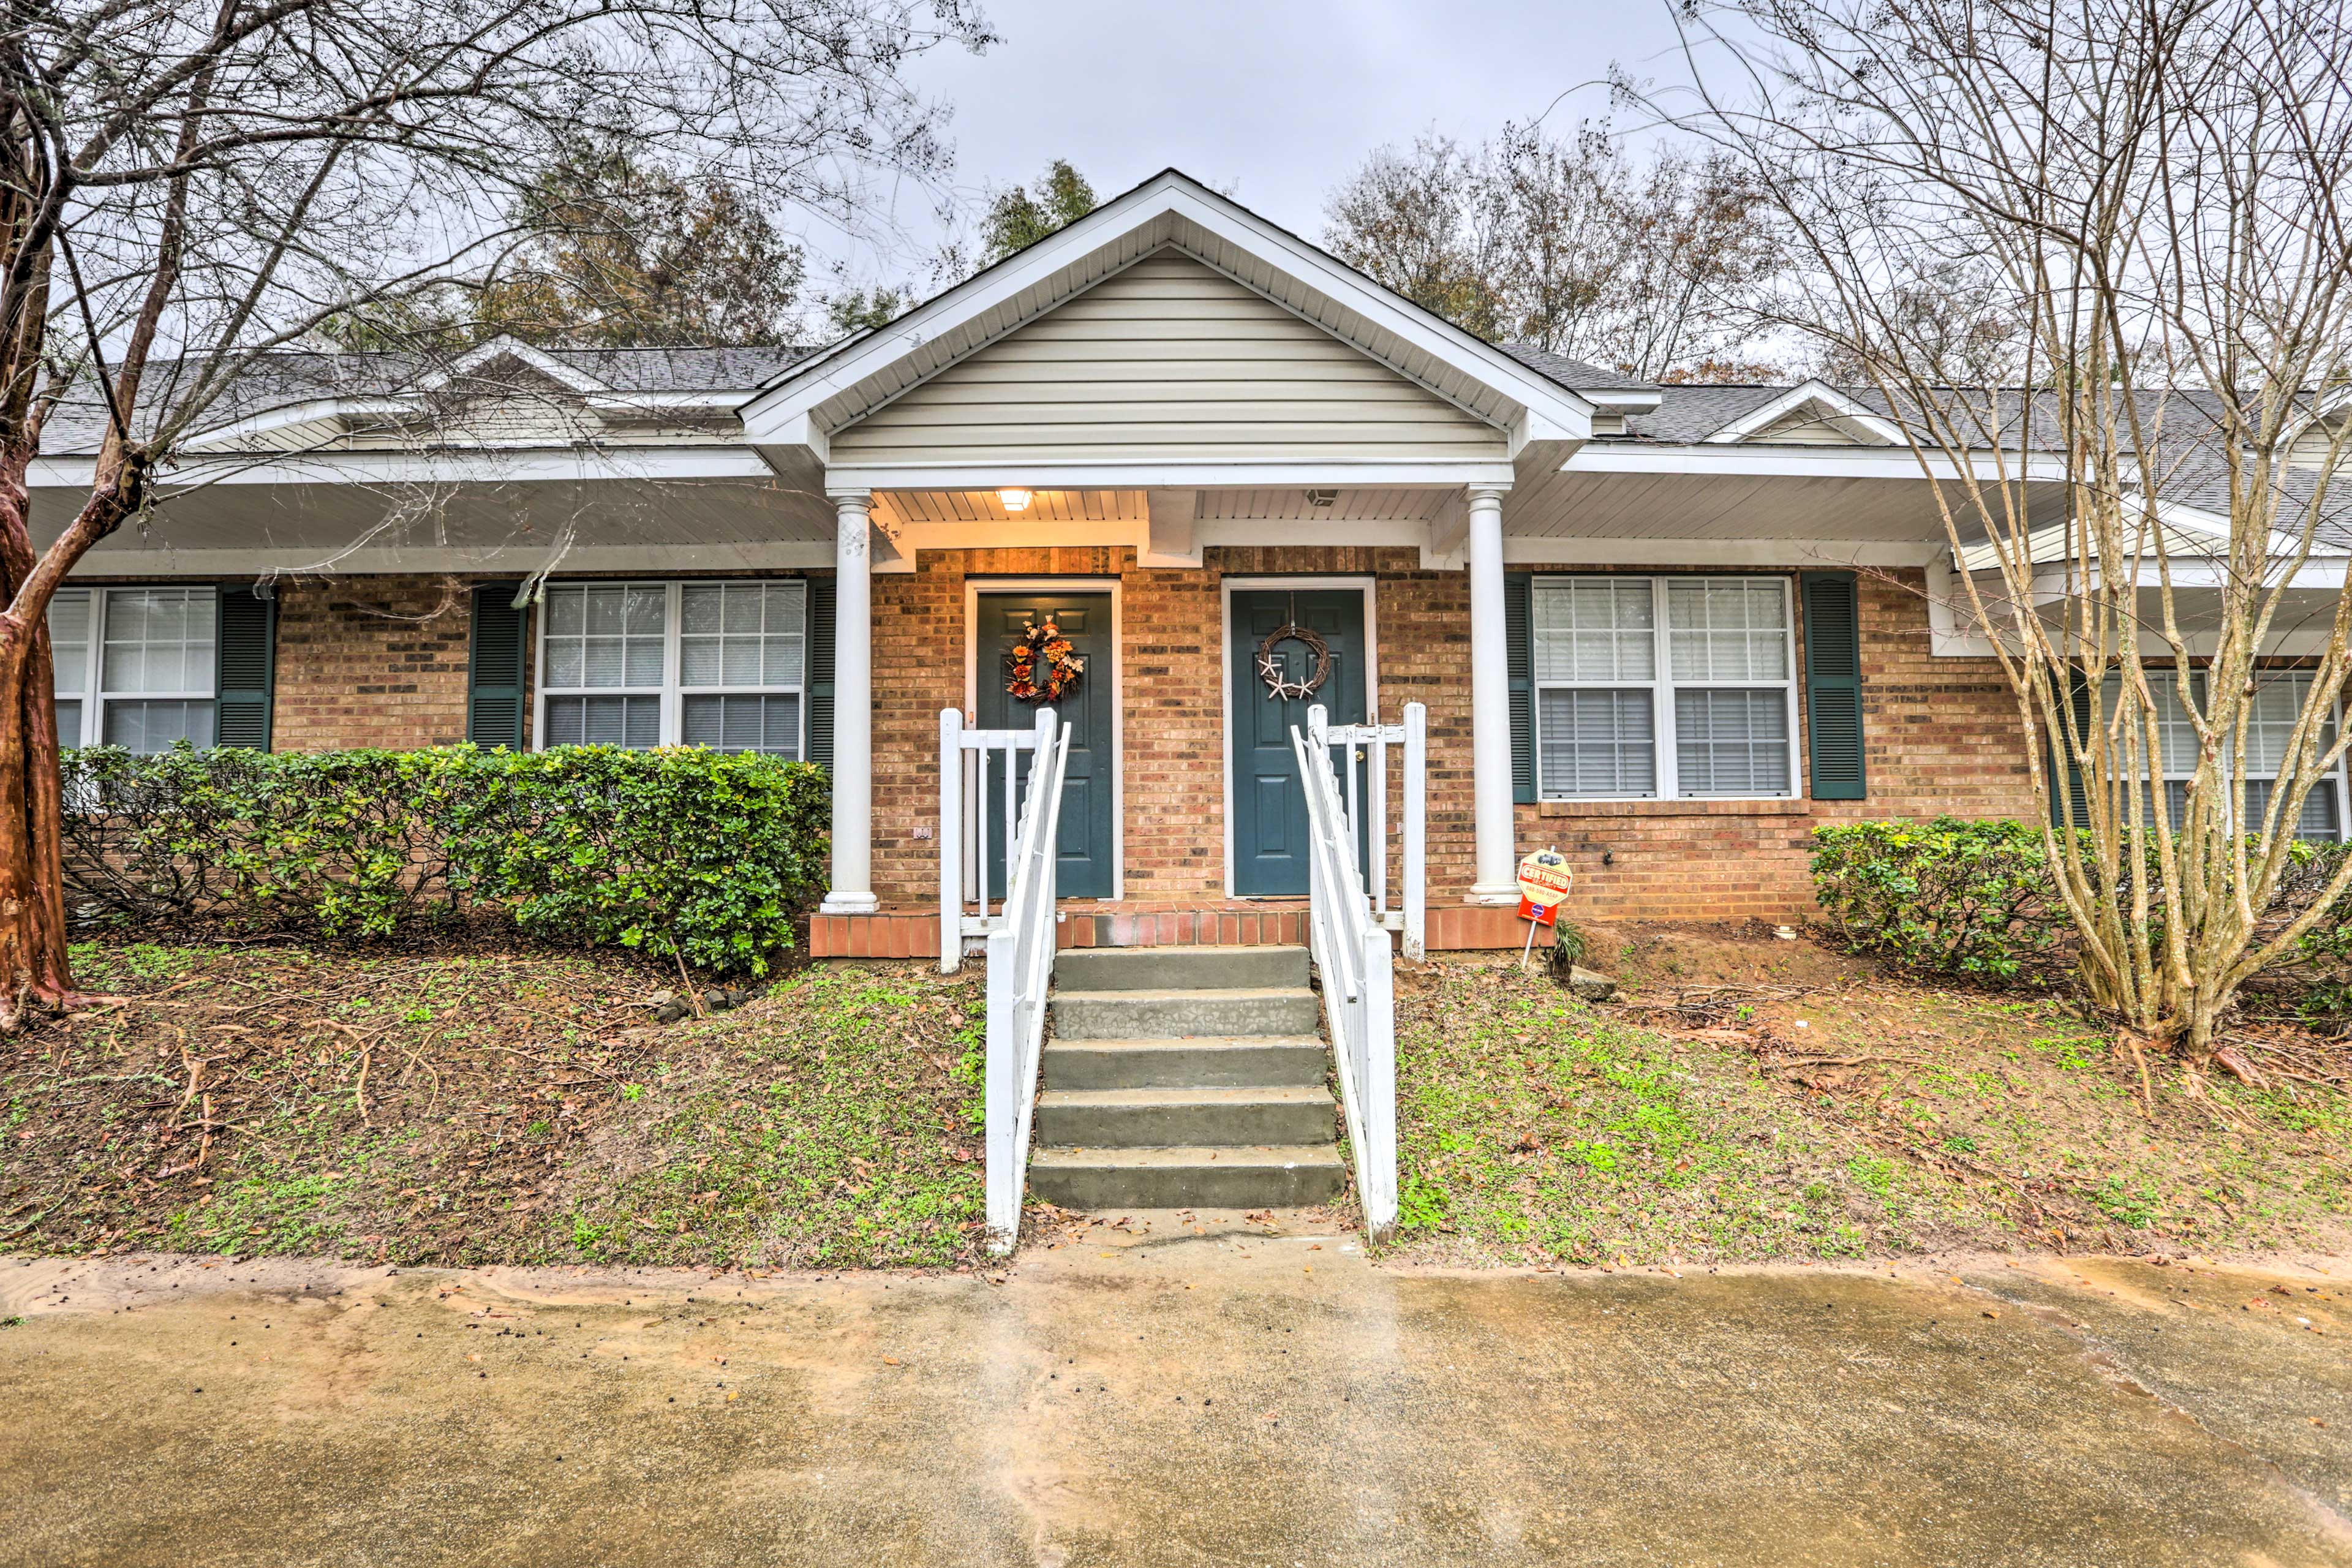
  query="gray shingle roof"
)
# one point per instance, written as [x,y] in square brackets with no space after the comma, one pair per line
[292,376]
[1576,374]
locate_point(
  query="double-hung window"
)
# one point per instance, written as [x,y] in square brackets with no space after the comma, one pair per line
[1664,686]
[135,666]
[719,664]
[2279,697]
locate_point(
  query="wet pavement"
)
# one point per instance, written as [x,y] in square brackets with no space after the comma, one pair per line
[1169,1396]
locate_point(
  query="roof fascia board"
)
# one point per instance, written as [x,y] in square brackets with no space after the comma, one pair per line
[1809,392]
[1161,474]
[269,419]
[1709,459]
[478,466]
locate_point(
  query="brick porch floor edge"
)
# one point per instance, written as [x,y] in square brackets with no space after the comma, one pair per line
[912,933]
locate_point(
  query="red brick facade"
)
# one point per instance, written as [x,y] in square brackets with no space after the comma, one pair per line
[371,661]
[382,661]
[1939,734]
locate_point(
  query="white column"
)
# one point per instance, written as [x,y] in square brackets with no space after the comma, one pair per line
[1490,704]
[853,709]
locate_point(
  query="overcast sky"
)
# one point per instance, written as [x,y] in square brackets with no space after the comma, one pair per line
[1275,101]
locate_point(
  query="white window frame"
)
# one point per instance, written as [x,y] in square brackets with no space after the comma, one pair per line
[93,697]
[1662,685]
[671,692]
[2163,675]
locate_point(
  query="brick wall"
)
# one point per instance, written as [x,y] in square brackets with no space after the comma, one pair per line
[371,661]
[381,661]
[1939,734]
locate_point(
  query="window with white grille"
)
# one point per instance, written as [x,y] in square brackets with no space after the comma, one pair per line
[719,664]
[2279,697]
[1664,686]
[135,666]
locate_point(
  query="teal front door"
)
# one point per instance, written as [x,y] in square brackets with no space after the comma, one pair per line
[1269,810]
[1088,798]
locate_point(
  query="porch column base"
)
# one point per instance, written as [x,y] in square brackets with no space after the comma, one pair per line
[1509,895]
[849,904]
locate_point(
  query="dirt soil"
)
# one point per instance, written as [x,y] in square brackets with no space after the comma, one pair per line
[1751,1098]
[508,1107]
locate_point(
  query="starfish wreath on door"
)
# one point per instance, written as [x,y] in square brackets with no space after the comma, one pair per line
[1279,687]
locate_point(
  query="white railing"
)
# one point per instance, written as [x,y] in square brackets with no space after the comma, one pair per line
[968,760]
[1353,955]
[1020,970]
[1372,743]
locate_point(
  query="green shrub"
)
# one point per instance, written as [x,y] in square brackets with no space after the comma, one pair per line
[1949,895]
[677,851]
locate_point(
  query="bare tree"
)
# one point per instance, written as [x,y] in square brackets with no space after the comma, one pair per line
[186,191]
[2092,256]
[1651,267]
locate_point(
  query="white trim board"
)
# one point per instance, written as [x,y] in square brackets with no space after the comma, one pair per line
[653,559]
[1370,586]
[973,587]
[1841,409]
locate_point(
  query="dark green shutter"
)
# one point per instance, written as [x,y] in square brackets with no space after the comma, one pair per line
[1521,662]
[2066,767]
[1833,683]
[496,652]
[244,658]
[820,671]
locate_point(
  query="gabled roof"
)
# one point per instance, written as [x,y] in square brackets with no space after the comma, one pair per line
[1816,402]
[807,404]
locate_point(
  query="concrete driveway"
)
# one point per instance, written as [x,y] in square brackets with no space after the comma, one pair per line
[1167,1396]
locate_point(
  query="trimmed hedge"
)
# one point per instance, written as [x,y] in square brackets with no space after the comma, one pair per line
[1956,896]
[1950,895]
[683,851]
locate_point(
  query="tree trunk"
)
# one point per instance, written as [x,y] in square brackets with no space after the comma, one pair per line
[35,966]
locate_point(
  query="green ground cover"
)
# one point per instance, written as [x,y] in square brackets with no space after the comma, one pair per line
[1758,1100]
[508,1108]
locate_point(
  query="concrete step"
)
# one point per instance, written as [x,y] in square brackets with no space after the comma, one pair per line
[1271,1061]
[1178,968]
[1217,1012]
[1166,1118]
[1188,1178]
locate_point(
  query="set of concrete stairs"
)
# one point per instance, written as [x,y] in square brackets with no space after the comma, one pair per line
[1184,1078]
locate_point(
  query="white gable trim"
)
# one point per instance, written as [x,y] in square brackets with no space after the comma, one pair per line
[505,347]
[2333,405]
[838,388]
[1869,429]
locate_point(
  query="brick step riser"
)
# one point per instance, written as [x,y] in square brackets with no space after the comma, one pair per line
[1073,1064]
[1111,1016]
[1187,1186]
[1164,1126]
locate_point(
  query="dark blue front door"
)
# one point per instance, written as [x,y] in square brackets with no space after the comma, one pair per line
[1269,811]
[1085,870]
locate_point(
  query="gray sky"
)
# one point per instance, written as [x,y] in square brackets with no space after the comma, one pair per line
[1275,101]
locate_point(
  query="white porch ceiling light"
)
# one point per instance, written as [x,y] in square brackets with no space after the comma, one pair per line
[1015,498]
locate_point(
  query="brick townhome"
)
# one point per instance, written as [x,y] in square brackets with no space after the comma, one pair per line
[1667,629]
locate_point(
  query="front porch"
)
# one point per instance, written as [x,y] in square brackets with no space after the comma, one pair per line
[915,933]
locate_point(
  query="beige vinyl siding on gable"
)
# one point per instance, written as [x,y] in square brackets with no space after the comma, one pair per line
[1170,361]
[1807,427]
[2309,449]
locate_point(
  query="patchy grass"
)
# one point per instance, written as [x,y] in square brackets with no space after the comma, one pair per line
[1755,1099]
[512,1107]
